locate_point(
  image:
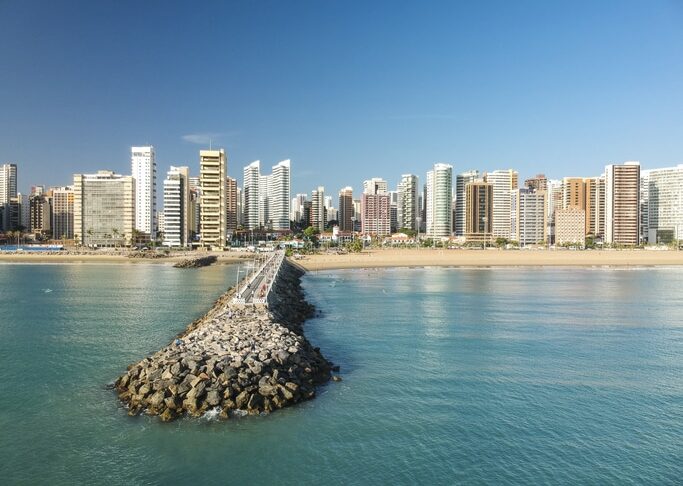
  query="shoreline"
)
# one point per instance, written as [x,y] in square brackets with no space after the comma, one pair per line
[406,258]
[38,258]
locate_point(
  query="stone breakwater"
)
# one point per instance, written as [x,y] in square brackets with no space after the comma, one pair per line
[236,359]
[197,262]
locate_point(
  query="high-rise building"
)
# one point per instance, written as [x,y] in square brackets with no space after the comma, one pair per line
[63,212]
[279,191]
[479,212]
[8,193]
[40,205]
[554,195]
[375,211]
[530,226]
[599,207]
[213,167]
[104,208]
[345,212]
[297,208]
[252,188]
[318,216]
[504,183]
[195,206]
[622,196]
[8,182]
[570,226]
[439,206]
[144,171]
[357,214]
[461,181]
[231,205]
[176,214]
[664,189]
[408,202]
[376,185]
[539,182]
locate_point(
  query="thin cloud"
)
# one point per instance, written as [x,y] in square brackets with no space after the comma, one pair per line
[206,138]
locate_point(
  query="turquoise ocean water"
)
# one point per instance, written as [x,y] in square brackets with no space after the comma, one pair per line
[451,376]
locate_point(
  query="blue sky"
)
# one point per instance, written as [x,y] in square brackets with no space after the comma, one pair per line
[347,90]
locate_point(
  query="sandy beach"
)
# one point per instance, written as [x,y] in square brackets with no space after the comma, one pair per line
[37,257]
[499,258]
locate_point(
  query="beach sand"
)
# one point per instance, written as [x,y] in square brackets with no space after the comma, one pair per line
[37,257]
[491,257]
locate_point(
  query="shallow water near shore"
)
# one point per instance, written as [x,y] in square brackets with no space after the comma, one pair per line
[450,376]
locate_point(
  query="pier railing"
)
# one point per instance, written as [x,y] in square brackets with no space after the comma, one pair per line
[255,287]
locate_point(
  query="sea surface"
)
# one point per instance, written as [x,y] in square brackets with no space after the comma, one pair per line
[450,376]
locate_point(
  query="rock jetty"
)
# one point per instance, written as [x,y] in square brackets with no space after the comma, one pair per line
[236,359]
[197,262]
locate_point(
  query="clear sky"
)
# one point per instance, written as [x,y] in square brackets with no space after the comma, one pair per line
[347,90]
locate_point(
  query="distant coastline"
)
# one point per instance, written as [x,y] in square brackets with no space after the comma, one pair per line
[380,258]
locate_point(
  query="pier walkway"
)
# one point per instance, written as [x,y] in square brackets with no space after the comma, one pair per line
[255,287]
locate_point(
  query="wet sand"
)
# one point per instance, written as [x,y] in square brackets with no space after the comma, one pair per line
[483,258]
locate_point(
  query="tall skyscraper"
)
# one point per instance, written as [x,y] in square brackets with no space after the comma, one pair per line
[176,213]
[279,192]
[439,205]
[63,212]
[345,212]
[375,211]
[504,183]
[40,213]
[213,167]
[622,196]
[231,205]
[479,212]
[252,188]
[664,189]
[318,216]
[8,193]
[530,224]
[144,171]
[408,190]
[461,181]
[554,203]
[104,208]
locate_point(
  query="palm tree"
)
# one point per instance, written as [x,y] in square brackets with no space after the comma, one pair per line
[116,235]
[90,232]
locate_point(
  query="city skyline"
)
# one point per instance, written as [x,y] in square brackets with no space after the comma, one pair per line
[552,88]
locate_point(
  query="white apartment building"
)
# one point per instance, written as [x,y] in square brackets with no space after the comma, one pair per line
[376,185]
[252,189]
[177,207]
[530,218]
[144,171]
[663,190]
[318,208]
[439,201]
[407,201]
[504,182]
[279,196]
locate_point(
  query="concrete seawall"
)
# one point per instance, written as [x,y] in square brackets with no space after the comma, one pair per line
[238,359]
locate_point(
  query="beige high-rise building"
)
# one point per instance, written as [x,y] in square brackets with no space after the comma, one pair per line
[622,202]
[213,167]
[478,212]
[104,208]
[539,182]
[570,226]
[63,212]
